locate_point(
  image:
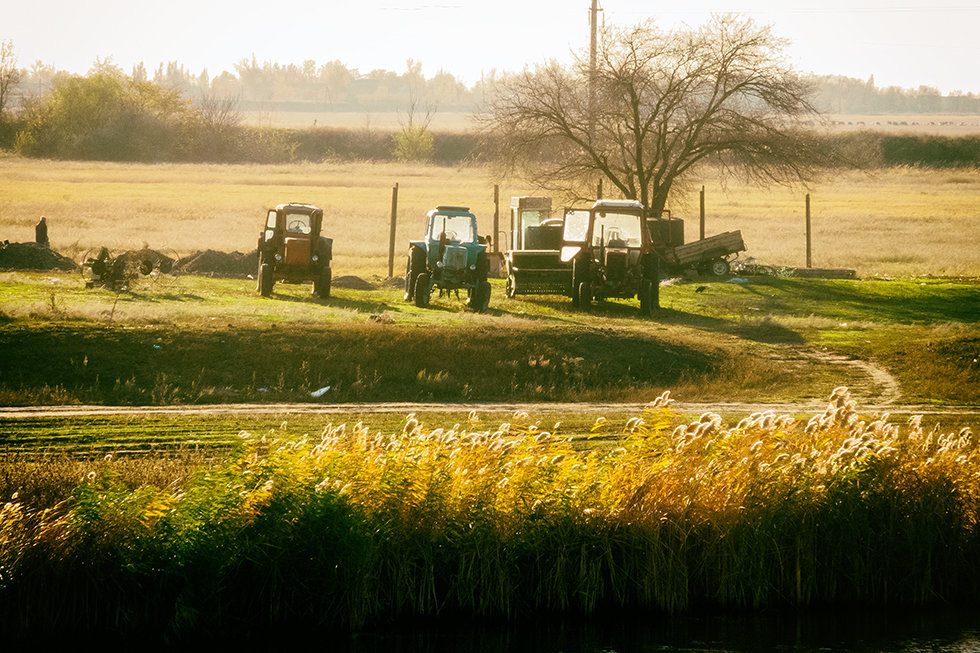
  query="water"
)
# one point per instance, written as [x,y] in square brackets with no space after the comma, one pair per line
[857,631]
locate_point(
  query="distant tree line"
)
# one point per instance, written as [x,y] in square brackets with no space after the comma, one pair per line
[332,86]
[175,116]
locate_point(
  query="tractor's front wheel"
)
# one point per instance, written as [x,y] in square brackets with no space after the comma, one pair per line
[422,290]
[265,279]
[321,286]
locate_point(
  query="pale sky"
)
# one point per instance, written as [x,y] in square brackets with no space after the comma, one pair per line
[904,43]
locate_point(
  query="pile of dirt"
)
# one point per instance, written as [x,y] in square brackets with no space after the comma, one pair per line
[352,283]
[211,263]
[31,256]
[144,261]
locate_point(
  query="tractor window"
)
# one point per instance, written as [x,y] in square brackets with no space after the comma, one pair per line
[298,223]
[270,222]
[616,230]
[457,228]
[576,226]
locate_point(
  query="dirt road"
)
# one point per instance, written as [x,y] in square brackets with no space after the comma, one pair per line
[28,412]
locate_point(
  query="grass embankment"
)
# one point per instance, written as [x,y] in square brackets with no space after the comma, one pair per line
[195,340]
[351,527]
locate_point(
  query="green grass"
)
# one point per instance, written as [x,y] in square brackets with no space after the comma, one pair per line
[197,340]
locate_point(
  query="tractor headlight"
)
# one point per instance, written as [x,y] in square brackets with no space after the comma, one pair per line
[473,267]
[438,264]
[315,258]
[278,257]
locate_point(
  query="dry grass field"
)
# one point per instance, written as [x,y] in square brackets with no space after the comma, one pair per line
[900,222]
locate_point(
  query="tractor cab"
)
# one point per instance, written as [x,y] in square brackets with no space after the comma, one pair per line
[611,253]
[291,249]
[451,256]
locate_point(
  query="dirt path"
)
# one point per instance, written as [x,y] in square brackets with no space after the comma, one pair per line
[28,412]
[878,385]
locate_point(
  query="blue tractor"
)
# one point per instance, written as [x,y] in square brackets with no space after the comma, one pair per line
[450,257]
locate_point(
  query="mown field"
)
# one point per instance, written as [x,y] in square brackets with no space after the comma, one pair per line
[905,222]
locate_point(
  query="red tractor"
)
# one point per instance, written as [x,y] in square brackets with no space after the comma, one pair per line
[291,249]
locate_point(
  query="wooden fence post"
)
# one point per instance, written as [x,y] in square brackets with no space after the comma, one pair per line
[808,239]
[702,213]
[496,217]
[391,233]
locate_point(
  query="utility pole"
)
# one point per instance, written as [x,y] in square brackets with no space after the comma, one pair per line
[593,40]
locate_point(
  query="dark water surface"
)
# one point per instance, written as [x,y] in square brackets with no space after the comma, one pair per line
[858,631]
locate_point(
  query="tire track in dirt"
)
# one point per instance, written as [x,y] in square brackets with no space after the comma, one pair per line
[880,386]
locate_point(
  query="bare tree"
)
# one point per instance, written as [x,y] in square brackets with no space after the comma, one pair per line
[218,113]
[665,102]
[9,73]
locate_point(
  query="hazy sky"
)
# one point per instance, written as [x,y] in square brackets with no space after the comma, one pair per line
[906,43]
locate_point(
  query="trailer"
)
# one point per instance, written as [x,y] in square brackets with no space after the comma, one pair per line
[711,255]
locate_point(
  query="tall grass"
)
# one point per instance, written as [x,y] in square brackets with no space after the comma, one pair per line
[352,526]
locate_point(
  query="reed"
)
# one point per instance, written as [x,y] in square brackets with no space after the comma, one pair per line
[351,526]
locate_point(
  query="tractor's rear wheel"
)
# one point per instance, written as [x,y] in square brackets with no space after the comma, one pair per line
[649,299]
[480,297]
[265,280]
[321,286]
[422,290]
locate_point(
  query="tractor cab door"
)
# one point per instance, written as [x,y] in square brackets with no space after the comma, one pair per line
[271,226]
[575,233]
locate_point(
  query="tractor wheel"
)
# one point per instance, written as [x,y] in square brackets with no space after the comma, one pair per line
[413,268]
[720,267]
[510,290]
[649,299]
[265,280]
[321,286]
[422,290]
[584,295]
[480,297]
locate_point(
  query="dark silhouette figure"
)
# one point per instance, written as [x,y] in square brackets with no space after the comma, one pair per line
[41,232]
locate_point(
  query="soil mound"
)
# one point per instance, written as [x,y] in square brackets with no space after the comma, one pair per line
[31,256]
[219,264]
[352,283]
[144,260]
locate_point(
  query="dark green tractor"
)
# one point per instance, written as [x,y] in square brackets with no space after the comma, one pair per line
[611,253]
[450,257]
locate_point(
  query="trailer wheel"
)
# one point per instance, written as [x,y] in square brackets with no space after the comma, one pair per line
[321,286]
[720,267]
[510,290]
[584,295]
[265,280]
[422,290]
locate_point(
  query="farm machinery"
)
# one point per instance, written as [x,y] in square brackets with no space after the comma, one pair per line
[292,249]
[533,263]
[611,254]
[450,256]
[536,262]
